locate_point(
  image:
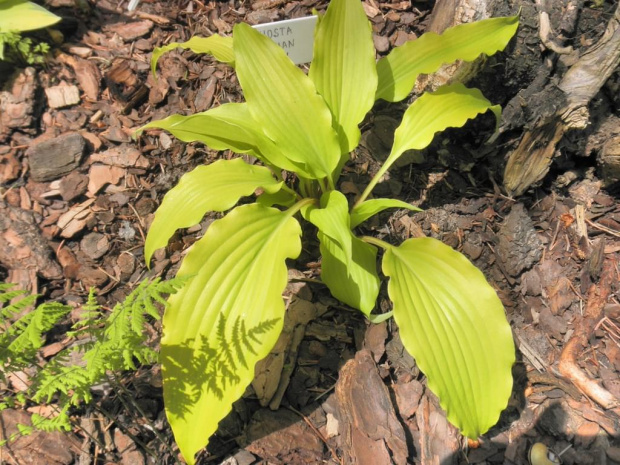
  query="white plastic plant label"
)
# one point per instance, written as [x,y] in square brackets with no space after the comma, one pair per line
[295,36]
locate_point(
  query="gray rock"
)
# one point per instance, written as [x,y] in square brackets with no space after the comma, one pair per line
[54,158]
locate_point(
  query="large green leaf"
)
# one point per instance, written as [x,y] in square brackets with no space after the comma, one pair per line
[365,210]
[225,319]
[214,187]
[353,280]
[218,46]
[399,70]
[20,15]
[284,102]
[453,323]
[344,69]
[229,126]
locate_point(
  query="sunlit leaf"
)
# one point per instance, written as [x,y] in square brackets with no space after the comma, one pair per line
[399,70]
[283,198]
[225,319]
[284,103]
[229,126]
[371,207]
[448,107]
[353,281]
[451,320]
[20,15]
[344,69]
[218,46]
[214,187]
[332,219]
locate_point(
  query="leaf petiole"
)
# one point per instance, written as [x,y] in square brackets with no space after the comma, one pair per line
[378,242]
[291,191]
[301,204]
[373,182]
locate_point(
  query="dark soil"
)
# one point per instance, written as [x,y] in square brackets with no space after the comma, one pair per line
[353,394]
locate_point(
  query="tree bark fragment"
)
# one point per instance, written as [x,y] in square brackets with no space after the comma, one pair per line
[530,162]
[370,427]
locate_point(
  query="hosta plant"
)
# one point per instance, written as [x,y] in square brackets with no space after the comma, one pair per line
[229,314]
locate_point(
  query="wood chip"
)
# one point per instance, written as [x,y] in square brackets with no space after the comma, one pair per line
[87,74]
[95,245]
[368,421]
[126,156]
[133,30]
[56,157]
[62,96]
[22,245]
[75,219]
[102,175]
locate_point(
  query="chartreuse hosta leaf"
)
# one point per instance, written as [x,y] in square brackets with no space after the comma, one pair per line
[229,126]
[214,187]
[348,265]
[344,69]
[365,210]
[332,219]
[453,323]
[284,103]
[354,280]
[399,70]
[218,46]
[449,106]
[225,319]
[20,15]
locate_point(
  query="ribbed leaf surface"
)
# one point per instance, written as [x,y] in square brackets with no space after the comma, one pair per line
[214,187]
[353,281]
[348,265]
[227,127]
[344,69]
[332,219]
[225,319]
[453,323]
[449,107]
[284,103]
[399,70]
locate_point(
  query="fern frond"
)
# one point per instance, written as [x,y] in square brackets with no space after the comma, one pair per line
[60,422]
[20,339]
[114,342]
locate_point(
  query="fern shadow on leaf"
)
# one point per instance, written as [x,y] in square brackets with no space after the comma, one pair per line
[191,368]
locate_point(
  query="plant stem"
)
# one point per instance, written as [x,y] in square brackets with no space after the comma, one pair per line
[291,191]
[303,187]
[378,242]
[330,182]
[373,182]
[323,185]
[301,204]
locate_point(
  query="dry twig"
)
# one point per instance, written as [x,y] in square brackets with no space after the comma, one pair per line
[597,297]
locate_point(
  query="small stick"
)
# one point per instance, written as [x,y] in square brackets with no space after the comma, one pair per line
[597,297]
[317,432]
